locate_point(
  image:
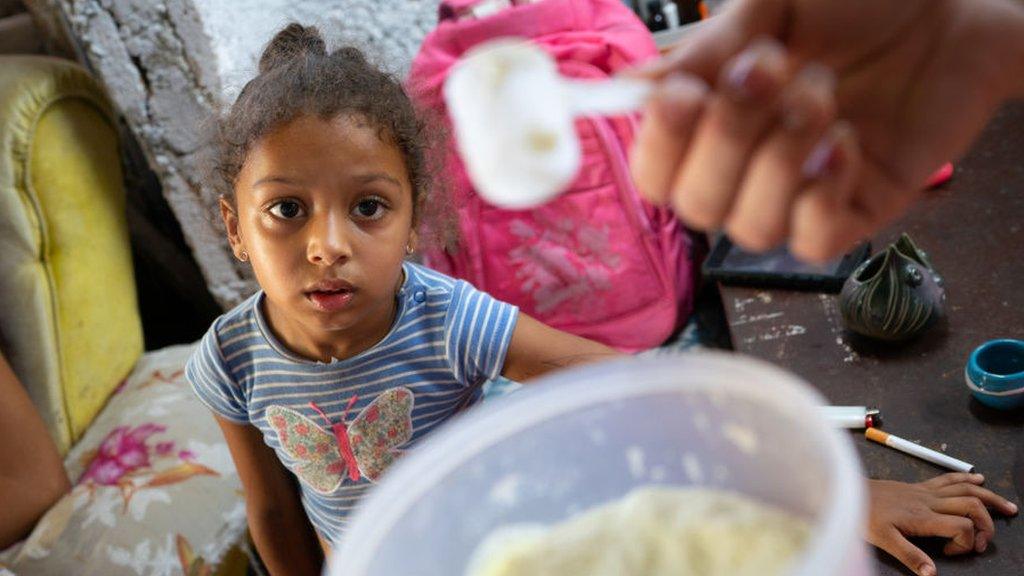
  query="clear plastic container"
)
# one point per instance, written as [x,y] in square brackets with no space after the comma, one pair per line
[587,436]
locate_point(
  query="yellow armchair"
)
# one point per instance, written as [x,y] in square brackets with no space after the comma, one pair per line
[69,322]
[155,489]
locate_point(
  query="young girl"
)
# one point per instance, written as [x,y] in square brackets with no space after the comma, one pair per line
[349,354]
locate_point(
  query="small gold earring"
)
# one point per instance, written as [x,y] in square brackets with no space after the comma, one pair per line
[243,256]
[409,249]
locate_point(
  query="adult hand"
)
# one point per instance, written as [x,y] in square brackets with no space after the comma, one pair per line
[952,506]
[776,150]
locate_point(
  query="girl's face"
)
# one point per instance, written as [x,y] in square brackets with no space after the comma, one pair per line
[324,209]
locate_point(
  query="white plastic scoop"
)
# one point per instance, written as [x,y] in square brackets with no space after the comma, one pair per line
[513,115]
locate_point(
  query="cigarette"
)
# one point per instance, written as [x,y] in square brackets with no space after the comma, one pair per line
[852,416]
[921,452]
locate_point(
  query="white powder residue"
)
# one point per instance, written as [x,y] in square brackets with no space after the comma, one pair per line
[776,332]
[658,473]
[828,304]
[635,458]
[694,471]
[749,319]
[761,298]
[505,492]
[742,437]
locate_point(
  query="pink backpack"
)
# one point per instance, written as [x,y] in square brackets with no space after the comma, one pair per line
[597,261]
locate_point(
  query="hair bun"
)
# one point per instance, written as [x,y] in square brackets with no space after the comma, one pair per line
[350,54]
[293,42]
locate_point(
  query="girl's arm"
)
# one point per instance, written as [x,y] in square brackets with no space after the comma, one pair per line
[283,535]
[537,349]
[32,476]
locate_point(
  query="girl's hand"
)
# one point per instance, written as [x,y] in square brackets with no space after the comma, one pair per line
[952,506]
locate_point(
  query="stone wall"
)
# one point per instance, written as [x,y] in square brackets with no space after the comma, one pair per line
[170,63]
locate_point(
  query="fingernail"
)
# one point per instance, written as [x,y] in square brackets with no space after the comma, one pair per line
[814,78]
[1013,508]
[820,162]
[926,570]
[738,76]
[677,97]
[749,78]
[979,477]
[819,76]
[982,545]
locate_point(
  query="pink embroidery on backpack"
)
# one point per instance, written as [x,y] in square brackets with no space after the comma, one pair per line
[562,262]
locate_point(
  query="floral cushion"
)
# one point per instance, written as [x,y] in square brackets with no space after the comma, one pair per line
[156,492]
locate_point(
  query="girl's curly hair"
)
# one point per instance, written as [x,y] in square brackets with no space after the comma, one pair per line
[297,77]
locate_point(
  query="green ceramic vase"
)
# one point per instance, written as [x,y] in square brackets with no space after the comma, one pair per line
[894,295]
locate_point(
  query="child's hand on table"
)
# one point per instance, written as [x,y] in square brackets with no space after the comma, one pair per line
[952,506]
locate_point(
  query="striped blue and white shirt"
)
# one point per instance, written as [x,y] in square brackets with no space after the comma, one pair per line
[338,425]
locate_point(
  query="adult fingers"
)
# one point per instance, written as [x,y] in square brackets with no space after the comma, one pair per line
[826,220]
[759,218]
[706,49]
[911,556]
[665,134]
[744,107]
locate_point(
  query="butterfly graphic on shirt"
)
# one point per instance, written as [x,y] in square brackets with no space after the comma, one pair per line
[364,447]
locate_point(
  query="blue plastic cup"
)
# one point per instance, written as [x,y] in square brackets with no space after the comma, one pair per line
[995,373]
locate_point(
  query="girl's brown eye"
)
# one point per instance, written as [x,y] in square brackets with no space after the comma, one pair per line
[370,209]
[286,209]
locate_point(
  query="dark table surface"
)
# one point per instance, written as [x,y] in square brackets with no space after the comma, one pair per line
[973,229]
